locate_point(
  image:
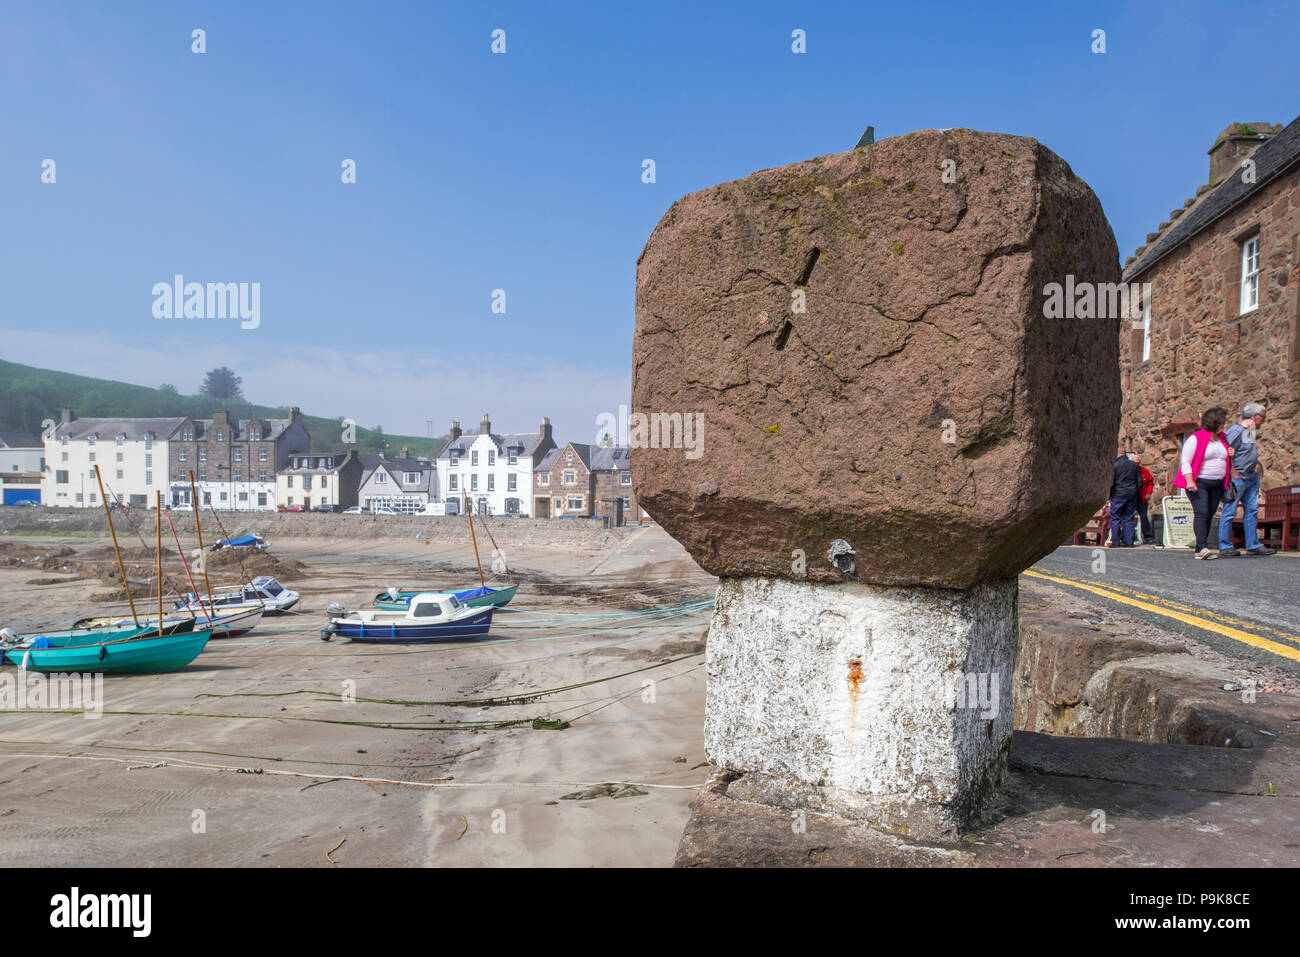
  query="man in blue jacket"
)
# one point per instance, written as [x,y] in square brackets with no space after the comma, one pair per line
[1245,478]
[1125,486]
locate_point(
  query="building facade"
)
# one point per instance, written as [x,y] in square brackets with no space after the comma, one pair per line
[403,483]
[1221,324]
[493,470]
[581,480]
[131,454]
[22,468]
[319,478]
[235,461]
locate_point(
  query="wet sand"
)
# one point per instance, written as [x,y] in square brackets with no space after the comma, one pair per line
[268,763]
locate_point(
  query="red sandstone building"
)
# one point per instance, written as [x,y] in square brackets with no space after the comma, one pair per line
[1222,323]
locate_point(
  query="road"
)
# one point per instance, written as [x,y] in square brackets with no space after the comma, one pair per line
[1247,607]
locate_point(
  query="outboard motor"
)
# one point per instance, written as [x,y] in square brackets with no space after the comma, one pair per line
[335,610]
[394,593]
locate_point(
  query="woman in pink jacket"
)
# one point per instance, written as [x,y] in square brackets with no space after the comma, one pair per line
[1203,471]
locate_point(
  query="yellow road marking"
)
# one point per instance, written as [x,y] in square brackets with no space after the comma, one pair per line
[1196,621]
[1202,612]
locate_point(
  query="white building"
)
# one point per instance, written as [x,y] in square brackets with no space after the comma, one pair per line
[494,470]
[311,479]
[403,483]
[22,466]
[132,455]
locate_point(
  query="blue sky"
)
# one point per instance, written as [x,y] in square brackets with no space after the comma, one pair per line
[519,171]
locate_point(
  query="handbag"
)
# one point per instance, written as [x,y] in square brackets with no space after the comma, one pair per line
[1230,493]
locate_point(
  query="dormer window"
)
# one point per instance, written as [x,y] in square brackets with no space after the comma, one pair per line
[90,439]
[121,437]
[187,435]
[254,433]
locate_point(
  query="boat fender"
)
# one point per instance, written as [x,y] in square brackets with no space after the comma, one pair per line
[27,660]
[103,652]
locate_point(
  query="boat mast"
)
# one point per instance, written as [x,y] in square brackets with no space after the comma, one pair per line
[470,516]
[116,551]
[186,565]
[203,565]
[158,560]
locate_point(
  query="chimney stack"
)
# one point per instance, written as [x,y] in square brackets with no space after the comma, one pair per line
[1235,145]
[485,426]
[546,429]
[406,451]
[65,416]
[455,431]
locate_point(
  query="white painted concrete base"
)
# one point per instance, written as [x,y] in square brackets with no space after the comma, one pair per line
[891,705]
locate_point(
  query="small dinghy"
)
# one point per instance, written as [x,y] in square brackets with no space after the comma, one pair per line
[495,596]
[225,623]
[262,591]
[107,652]
[430,617]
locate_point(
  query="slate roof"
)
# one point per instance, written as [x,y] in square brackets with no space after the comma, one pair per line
[339,459]
[524,443]
[1273,158]
[396,468]
[605,458]
[277,428]
[16,440]
[108,429]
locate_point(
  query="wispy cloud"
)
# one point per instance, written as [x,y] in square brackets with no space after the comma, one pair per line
[399,386]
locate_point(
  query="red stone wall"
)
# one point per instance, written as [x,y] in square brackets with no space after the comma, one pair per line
[1205,353]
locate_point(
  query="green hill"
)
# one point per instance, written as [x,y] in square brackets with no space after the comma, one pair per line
[29,395]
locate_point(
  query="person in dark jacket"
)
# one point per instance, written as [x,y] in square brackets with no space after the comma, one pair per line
[1125,489]
[1144,500]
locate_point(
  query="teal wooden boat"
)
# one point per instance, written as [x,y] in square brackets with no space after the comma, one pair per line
[487,597]
[135,653]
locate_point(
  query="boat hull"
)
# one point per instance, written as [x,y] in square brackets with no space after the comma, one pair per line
[122,656]
[469,628]
[497,598]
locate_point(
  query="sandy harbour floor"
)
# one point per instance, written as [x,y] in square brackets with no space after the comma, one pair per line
[253,756]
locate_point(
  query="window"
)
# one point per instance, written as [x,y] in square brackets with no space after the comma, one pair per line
[1146,330]
[261,475]
[148,442]
[545,478]
[64,439]
[187,435]
[1250,274]
[148,478]
[261,455]
[575,502]
[120,438]
[223,496]
[288,481]
[63,457]
[239,455]
[91,438]
[148,461]
[61,477]
[203,475]
[221,435]
[180,455]
[451,483]
[203,454]
[320,463]
[512,484]
[559,504]
[513,459]
[255,433]
[568,478]
[243,496]
[261,499]
[473,482]
[92,456]
[624,478]
[119,475]
[411,478]
[455,459]
[119,456]
[94,499]
[473,457]
[627,502]
[78,496]
[492,457]
[381,477]
[492,482]
[306,483]
[569,456]
[237,475]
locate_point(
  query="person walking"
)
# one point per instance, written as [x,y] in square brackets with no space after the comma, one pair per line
[1246,479]
[1203,473]
[1125,484]
[1147,485]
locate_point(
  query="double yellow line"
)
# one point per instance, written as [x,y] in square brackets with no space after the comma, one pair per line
[1282,643]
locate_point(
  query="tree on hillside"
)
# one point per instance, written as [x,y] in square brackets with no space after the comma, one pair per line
[168,389]
[222,384]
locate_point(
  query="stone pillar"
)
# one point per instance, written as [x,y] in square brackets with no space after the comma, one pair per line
[878,703]
[857,399]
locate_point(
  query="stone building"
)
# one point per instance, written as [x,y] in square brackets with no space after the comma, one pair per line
[319,478]
[234,461]
[1221,324]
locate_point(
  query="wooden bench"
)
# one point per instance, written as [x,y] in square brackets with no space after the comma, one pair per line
[1098,526]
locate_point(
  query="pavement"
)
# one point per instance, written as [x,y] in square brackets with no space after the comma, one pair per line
[1246,607]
